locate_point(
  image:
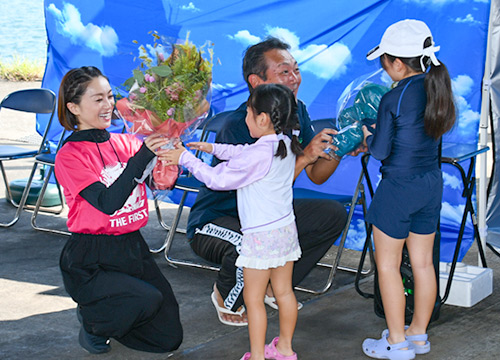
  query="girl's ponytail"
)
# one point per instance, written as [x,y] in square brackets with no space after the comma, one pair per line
[295,145]
[440,110]
[276,116]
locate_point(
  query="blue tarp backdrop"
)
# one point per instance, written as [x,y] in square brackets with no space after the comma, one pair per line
[329,39]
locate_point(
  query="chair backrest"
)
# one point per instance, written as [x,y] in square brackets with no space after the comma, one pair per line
[38,101]
[212,126]
[41,101]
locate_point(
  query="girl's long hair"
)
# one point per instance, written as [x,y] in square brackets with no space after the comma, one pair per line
[440,113]
[279,103]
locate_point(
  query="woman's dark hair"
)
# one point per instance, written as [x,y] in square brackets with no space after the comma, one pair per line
[254,61]
[279,103]
[440,111]
[73,86]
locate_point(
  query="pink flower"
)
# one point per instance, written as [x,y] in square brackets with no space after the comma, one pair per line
[149,78]
[172,93]
[161,57]
[170,111]
[143,89]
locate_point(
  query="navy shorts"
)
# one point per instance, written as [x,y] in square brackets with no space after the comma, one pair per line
[407,204]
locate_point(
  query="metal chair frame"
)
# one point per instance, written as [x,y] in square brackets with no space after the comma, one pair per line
[186,184]
[358,198]
[38,101]
[48,160]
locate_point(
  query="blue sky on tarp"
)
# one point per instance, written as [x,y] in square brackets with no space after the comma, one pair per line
[329,39]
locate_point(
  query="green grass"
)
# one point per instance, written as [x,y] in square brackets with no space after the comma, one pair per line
[22,69]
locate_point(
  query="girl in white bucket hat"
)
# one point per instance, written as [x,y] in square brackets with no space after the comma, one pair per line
[412,117]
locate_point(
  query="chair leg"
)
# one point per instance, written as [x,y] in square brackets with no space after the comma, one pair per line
[333,267]
[367,247]
[39,203]
[8,193]
[163,224]
[359,192]
[170,238]
[358,269]
[24,196]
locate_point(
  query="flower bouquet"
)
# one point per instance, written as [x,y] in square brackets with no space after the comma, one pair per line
[169,94]
[357,106]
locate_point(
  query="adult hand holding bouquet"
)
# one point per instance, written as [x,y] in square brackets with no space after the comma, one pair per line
[168,94]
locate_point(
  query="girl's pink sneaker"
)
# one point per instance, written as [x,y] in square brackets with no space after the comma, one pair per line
[246,356]
[270,352]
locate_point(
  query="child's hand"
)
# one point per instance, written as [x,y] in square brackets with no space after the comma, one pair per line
[171,156]
[366,133]
[202,146]
[362,148]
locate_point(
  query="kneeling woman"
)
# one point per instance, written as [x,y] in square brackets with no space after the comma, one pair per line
[106,265]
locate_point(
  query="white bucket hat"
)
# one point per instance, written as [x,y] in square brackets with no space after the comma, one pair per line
[406,39]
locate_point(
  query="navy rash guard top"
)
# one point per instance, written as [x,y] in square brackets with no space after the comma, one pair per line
[399,139]
[210,204]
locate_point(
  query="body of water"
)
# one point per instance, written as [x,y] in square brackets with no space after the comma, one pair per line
[22,30]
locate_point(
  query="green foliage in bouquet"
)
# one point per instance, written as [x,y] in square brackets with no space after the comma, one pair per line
[173,87]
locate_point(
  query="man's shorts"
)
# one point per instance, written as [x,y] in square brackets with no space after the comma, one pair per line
[407,204]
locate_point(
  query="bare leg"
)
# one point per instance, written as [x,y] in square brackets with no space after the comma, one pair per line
[281,280]
[388,254]
[256,282]
[420,248]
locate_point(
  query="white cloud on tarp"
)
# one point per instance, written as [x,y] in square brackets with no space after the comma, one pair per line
[467,19]
[468,119]
[452,181]
[102,39]
[244,37]
[451,214]
[221,87]
[325,62]
[356,235]
[190,7]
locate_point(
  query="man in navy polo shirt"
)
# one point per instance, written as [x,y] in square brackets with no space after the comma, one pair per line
[213,224]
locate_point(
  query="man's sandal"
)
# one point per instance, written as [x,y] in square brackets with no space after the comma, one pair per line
[270,352]
[271,302]
[419,349]
[381,349]
[222,310]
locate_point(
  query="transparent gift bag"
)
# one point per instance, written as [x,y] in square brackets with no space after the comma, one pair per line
[357,106]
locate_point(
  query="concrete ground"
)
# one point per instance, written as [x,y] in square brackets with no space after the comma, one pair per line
[37,317]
